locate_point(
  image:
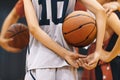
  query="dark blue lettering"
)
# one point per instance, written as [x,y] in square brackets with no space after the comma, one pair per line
[55,19]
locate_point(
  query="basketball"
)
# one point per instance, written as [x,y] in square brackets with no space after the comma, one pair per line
[79,29]
[20,34]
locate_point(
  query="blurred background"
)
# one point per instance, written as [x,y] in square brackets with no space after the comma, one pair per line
[12,66]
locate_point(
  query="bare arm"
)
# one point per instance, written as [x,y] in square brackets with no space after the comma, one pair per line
[38,33]
[118,3]
[42,37]
[115,51]
[113,23]
[100,14]
[16,13]
[12,18]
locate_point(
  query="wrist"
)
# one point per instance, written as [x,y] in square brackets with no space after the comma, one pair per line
[66,55]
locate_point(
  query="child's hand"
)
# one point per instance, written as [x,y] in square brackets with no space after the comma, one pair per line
[91,61]
[75,59]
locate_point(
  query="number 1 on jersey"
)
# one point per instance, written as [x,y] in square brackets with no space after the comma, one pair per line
[44,20]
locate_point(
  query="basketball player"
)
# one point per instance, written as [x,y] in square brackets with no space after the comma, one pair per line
[113,23]
[51,23]
[46,59]
[113,11]
[15,14]
[112,27]
[11,18]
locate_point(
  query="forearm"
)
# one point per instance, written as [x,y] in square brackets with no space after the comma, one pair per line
[115,51]
[10,19]
[38,33]
[48,42]
[100,15]
[101,26]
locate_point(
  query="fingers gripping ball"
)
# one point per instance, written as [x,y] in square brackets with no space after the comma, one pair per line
[20,34]
[79,29]
[20,8]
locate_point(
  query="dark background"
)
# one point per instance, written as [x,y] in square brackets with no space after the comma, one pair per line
[12,66]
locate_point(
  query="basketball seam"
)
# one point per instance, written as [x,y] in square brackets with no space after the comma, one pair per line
[17,32]
[86,37]
[78,15]
[79,27]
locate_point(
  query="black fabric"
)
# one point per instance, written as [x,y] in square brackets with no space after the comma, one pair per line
[115,67]
[115,63]
[112,42]
[98,73]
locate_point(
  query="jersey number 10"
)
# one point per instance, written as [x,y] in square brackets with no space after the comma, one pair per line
[44,20]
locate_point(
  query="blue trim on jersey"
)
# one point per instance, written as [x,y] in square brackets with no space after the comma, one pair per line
[28,48]
[32,75]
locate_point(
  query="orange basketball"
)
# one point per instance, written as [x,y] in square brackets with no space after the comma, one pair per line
[79,29]
[20,34]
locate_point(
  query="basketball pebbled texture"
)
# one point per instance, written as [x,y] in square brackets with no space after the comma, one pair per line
[19,7]
[20,34]
[79,29]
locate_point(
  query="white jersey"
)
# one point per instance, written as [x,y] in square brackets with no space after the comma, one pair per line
[50,14]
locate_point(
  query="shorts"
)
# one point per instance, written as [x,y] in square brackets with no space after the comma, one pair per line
[64,73]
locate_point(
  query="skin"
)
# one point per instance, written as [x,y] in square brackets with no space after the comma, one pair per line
[34,28]
[15,15]
[94,7]
[112,26]
[75,60]
[115,26]
[7,23]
